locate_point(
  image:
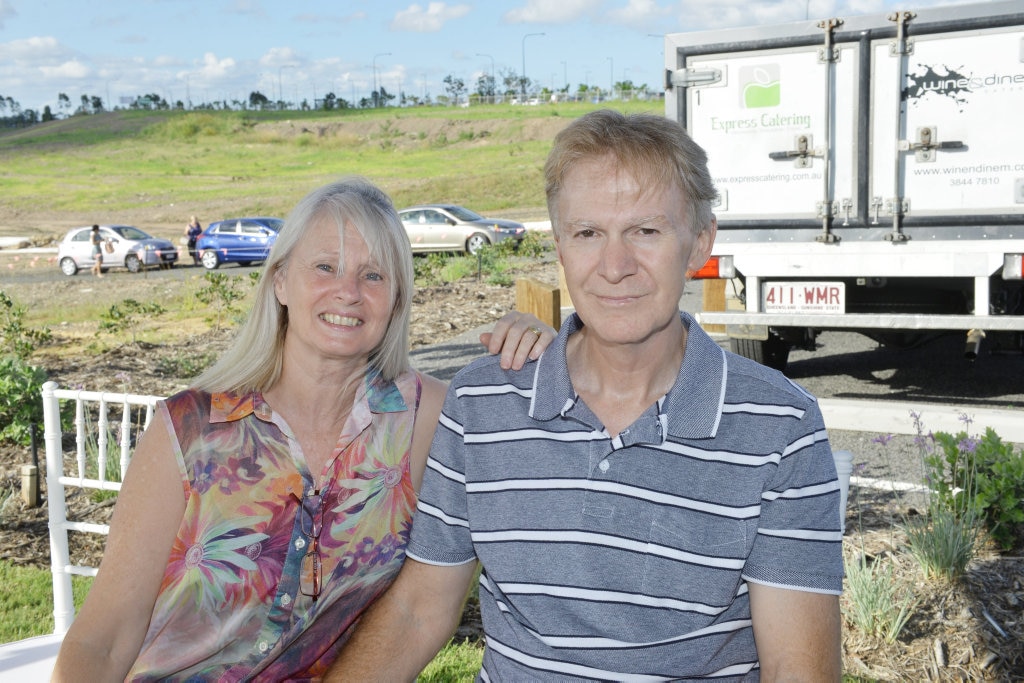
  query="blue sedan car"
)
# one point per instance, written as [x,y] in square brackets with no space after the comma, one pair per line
[237,240]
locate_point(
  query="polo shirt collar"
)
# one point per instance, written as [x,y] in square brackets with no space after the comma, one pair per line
[696,398]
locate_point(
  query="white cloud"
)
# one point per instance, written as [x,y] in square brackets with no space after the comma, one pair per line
[250,7]
[430,20]
[639,14]
[694,15]
[280,56]
[213,68]
[6,12]
[32,51]
[548,12]
[72,69]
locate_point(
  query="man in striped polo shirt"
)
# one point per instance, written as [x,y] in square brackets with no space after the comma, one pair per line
[645,506]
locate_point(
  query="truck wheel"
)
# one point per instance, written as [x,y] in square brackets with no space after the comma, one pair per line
[773,351]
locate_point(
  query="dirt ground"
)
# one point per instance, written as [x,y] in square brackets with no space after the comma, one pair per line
[969,631]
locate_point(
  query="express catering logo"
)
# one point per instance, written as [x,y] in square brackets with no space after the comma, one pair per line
[760,86]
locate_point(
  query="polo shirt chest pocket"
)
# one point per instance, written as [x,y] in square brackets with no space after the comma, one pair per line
[694,556]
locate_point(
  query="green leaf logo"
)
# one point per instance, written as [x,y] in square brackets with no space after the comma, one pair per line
[760,86]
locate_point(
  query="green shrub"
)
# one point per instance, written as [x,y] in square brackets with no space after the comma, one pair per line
[534,245]
[427,268]
[185,364]
[21,403]
[944,541]
[876,604]
[19,340]
[225,293]
[127,316]
[990,471]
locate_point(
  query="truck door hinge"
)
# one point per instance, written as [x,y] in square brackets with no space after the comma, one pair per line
[690,76]
[801,156]
[897,208]
[826,210]
[829,52]
[927,143]
[902,45]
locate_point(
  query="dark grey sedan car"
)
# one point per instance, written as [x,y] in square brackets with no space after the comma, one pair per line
[450,227]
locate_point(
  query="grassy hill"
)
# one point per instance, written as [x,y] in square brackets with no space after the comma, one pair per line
[156,168]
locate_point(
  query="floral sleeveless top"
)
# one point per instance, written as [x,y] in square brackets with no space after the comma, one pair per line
[230,606]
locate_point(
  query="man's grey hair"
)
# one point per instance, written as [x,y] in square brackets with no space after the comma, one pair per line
[653,149]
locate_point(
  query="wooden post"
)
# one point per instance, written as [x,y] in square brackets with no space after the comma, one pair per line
[543,301]
[562,289]
[714,300]
[30,485]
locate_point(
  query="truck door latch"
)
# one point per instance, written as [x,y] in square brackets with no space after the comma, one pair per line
[801,156]
[927,143]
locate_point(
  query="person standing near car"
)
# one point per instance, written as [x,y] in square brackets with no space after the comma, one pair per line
[96,240]
[192,231]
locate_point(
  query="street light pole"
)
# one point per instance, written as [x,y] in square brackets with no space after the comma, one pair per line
[522,81]
[376,97]
[611,77]
[280,91]
[478,54]
[494,85]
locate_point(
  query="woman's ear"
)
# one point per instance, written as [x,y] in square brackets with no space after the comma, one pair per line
[280,288]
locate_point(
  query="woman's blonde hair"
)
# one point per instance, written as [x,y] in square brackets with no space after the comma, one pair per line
[253,362]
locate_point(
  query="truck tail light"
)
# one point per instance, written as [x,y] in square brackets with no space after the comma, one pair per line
[717,267]
[1013,266]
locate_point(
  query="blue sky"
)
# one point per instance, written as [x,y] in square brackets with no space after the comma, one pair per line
[204,50]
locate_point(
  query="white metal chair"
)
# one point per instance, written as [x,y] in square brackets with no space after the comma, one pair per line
[102,451]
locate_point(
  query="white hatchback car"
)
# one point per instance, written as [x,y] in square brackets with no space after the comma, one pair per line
[132,248]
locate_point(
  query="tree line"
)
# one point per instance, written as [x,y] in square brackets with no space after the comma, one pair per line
[506,86]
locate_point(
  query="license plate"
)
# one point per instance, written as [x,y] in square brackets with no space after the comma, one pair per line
[803,297]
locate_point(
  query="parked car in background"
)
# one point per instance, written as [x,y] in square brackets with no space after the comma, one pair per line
[130,248]
[238,240]
[450,227]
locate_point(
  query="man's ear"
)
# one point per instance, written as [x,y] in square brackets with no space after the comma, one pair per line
[558,245]
[701,251]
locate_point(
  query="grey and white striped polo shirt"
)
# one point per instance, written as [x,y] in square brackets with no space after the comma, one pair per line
[627,558]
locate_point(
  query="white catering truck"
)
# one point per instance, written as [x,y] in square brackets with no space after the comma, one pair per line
[870,172]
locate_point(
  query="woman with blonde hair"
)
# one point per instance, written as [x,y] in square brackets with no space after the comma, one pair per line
[270,503]
[192,232]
